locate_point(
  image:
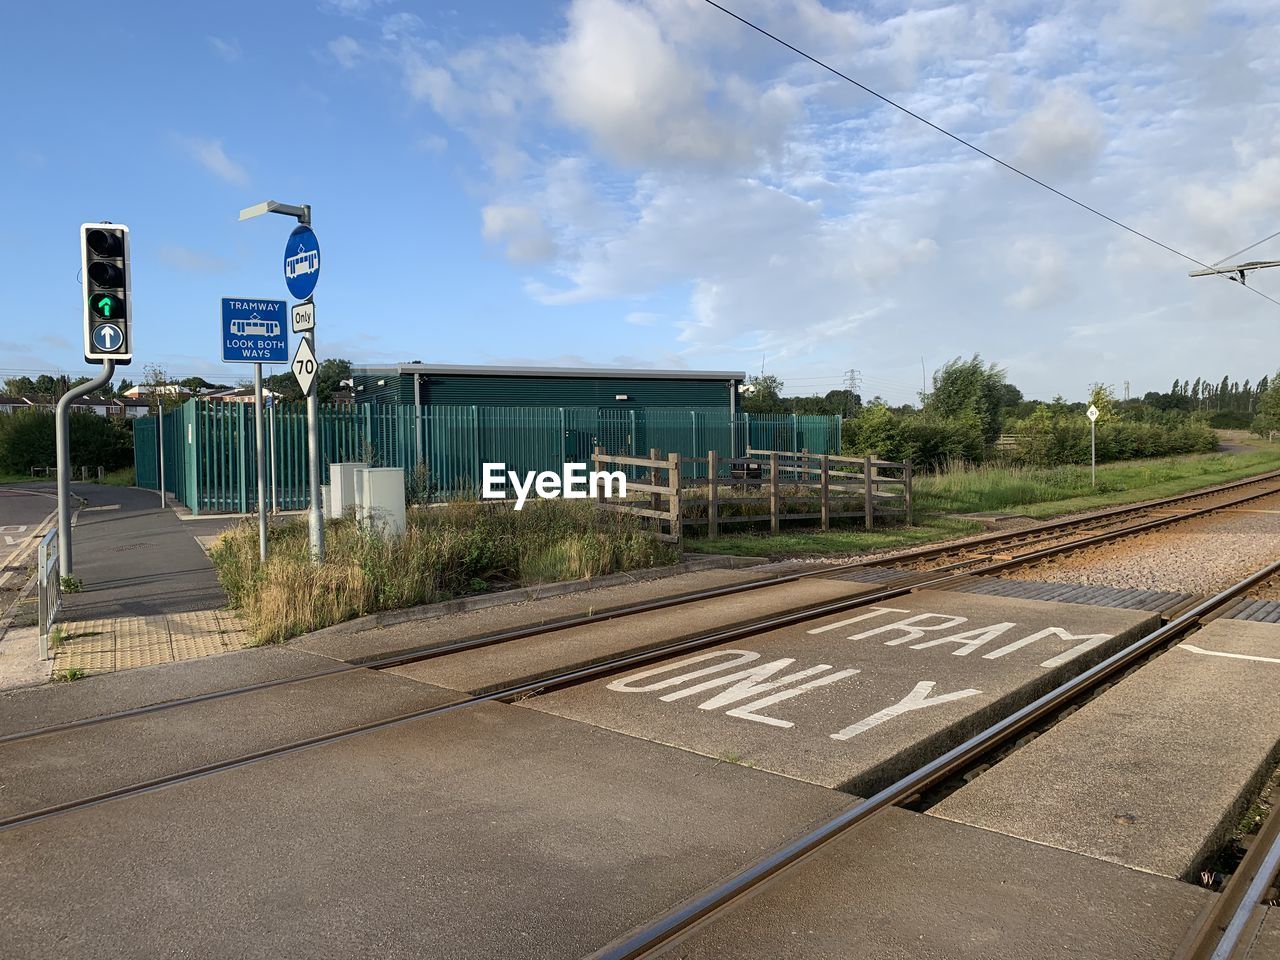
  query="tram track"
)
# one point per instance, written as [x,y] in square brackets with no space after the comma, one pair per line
[1223,930]
[914,576]
[567,677]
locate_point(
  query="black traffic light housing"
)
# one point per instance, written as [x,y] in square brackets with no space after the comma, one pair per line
[108,333]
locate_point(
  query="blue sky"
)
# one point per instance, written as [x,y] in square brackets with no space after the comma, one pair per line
[647,183]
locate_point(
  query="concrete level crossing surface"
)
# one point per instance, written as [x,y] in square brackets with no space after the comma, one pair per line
[855,700]
[61,766]
[34,707]
[489,832]
[1267,944]
[1155,772]
[492,668]
[907,886]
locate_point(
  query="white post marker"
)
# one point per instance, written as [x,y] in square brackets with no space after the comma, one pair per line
[1092,414]
[304,366]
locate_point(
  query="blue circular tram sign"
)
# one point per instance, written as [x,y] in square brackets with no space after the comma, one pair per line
[302,262]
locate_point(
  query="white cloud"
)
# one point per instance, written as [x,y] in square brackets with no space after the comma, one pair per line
[641,319]
[347,51]
[655,152]
[350,8]
[210,155]
[228,49]
[521,229]
[1062,137]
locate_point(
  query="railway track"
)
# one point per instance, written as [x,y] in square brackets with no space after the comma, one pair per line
[1224,929]
[993,549]
[944,576]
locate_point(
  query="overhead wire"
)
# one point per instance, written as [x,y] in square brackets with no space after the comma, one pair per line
[974,147]
[1232,256]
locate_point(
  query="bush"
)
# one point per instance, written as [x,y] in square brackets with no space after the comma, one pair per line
[27,440]
[447,551]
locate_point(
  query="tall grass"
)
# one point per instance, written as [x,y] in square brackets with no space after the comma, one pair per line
[965,488]
[446,551]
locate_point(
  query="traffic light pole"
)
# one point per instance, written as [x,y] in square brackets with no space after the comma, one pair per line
[63,438]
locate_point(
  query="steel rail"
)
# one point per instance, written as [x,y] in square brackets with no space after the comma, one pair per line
[647,940]
[580,674]
[417,654]
[1237,911]
[404,658]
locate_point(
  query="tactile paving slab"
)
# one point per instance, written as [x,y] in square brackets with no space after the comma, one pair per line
[102,646]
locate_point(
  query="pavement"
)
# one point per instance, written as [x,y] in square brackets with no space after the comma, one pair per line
[854,700]
[149,593]
[1155,773]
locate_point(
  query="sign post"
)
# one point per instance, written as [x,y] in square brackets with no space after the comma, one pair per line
[1092,414]
[301,273]
[253,332]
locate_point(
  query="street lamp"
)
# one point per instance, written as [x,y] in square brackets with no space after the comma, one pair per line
[315,521]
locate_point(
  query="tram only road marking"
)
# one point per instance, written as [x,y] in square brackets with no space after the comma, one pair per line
[854,701]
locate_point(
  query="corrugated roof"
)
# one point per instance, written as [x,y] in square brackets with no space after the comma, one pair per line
[444,369]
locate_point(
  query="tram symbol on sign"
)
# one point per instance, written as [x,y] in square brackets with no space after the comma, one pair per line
[304,261]
[256,325]
[107,337]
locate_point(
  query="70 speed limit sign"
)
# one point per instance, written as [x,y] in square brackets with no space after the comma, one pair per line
[304,366]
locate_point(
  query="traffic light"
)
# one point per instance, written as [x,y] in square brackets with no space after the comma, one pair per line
[104,252]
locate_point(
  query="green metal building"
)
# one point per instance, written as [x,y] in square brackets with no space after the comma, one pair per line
[444,384]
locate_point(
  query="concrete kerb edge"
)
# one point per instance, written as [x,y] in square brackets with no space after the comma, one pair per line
[433,611]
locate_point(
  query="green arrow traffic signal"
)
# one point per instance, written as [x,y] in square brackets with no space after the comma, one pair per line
[107,306]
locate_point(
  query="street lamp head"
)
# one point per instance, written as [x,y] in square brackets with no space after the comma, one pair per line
[302,213]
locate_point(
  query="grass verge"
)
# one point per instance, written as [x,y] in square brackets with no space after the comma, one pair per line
[1033,492]
[446,552]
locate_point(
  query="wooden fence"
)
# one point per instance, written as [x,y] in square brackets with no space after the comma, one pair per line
[766,486]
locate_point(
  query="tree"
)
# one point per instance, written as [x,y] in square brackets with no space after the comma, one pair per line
[125,386]
[156,381]
[1103,396]
[329,376]
[970,388]
[763,395]
[1268,407]
[19,386]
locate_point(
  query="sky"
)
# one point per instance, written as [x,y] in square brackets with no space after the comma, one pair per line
[649,183]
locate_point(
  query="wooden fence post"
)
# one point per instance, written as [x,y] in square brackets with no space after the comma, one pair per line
[673,496]
[713,496]
[906,489]
[774,494]
[868,508]
[596,456]
[826,494]
[655,499]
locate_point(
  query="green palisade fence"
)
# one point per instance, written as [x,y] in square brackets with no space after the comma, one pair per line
[211,464]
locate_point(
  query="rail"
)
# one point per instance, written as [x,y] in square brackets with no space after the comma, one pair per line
[49,587]
[650,939]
